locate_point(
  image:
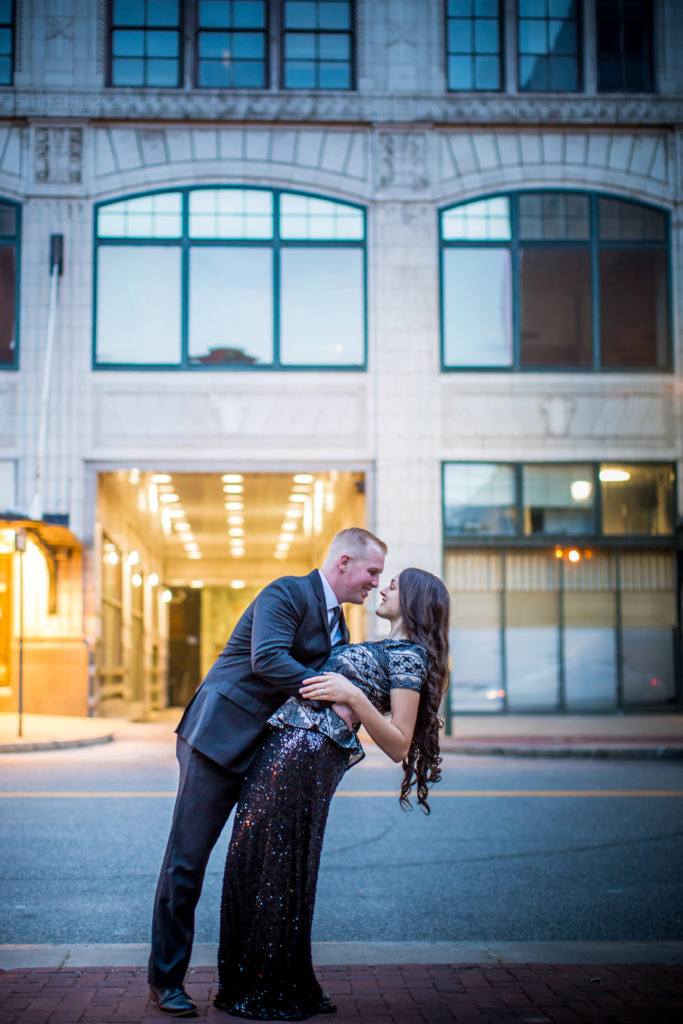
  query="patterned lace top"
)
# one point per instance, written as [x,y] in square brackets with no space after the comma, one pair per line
[375,667]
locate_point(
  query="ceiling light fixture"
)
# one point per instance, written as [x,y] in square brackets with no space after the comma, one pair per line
[232,478]
[303,478]
[171,497]
[160,478]
[233,488]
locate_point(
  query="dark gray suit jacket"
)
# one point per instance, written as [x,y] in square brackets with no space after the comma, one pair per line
[280,640]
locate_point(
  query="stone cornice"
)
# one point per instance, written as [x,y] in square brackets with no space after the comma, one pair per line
[340,108]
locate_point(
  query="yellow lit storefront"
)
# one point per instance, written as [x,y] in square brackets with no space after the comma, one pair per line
[42,646]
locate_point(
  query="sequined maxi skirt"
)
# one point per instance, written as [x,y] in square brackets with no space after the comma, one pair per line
[271,872]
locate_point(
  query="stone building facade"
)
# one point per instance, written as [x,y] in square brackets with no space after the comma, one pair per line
[409,139]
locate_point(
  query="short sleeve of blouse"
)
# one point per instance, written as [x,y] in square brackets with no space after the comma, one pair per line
[408,668]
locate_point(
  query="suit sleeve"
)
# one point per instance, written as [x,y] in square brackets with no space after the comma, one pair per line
[278,613]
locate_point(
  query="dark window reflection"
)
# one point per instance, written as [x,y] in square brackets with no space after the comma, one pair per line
[6,42]
[548,45]
[634,307]
[145,43]
[624,42]
[473,44]
[317,44]
[558,499]
[556,307]
[637,499]
[232,44]
[479,499]
[7,304]
[622,221]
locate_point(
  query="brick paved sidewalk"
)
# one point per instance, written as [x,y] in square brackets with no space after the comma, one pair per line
[385,994]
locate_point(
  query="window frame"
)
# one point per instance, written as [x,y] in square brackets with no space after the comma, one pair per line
[109,76]
[502,54]
[541,540]
[580,56]
[12,26]
[267,31]
[651,55]
[594,244]
[352,33]
[14,242]
[184,242]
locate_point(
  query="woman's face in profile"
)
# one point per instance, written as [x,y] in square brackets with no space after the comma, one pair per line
[389,607]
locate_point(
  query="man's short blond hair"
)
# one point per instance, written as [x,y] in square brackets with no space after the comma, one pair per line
[353,541]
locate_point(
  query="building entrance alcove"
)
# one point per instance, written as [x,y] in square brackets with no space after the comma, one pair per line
[180,555]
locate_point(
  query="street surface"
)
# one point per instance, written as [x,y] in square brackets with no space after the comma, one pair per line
[513,866]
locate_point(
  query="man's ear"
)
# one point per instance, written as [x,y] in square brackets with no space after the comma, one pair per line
[344,561]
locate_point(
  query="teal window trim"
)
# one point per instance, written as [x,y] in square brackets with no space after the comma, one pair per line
[596,539]
[593,243]
[11,25]
[265,32]
[14,242]
[179,29]
[548,55]
[351,32]
[275,244]
[501,55]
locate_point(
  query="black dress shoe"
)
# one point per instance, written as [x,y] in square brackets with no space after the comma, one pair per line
[173,1001]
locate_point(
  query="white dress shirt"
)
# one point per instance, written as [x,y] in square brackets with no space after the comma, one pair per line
[332,603]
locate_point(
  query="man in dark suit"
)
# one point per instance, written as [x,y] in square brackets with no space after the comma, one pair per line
[283,637]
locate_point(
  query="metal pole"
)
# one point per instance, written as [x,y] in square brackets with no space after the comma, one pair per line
[56,264]
[20,547]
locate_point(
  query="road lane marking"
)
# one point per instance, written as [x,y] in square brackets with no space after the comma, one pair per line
[153,794]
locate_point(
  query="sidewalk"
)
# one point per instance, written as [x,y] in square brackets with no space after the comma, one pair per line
[615,735]
[409,993]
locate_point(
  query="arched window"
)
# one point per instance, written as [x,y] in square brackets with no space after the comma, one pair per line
[9,270]
[555,280]
[232,278]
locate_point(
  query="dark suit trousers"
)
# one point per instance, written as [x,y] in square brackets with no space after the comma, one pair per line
[206,795]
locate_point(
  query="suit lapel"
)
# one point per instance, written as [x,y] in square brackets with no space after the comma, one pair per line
[317,585]
[346,636]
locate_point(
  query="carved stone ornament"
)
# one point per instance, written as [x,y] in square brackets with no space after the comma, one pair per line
[402,160]
[558,412]
[59,155]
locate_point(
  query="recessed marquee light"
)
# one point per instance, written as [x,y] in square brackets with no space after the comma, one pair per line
[303,478]
[614,476]
[289,526]
[235,531]
[298,497]
[160,478]
[237,584]
[232,478]
[234,506]
[194,554]
[236,520]
[175,513]
[233,488]
[171,497]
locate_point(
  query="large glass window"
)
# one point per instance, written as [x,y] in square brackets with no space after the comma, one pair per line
[534,631]
[232,44]
[6,42]
[9,242]
[490,499]
[230,277]
[480,499]
[637,499]
[624,45]
[558,499]
[146,43]
[317,44]
[548,45]
[539,280]
[473,44]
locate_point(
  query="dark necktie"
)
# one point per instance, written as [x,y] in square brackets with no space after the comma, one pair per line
[336,615]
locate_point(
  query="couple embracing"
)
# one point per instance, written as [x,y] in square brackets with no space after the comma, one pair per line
[272,729]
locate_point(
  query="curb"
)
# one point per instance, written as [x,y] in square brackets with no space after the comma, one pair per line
[31,745]
[498,750]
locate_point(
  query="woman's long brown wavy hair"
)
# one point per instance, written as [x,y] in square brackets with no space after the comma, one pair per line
[425,608]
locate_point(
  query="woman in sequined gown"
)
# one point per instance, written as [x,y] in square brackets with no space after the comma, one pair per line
[264,957]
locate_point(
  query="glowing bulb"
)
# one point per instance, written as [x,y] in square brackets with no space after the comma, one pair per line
[234,506]
[580,490]
[153,579]
[166,596]
[238,584]
[574,555]
[133,558]
[136,579]
[233,488]
[232,478]
[160,478]
[303,478]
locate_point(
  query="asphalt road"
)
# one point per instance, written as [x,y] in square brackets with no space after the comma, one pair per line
[508,866]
